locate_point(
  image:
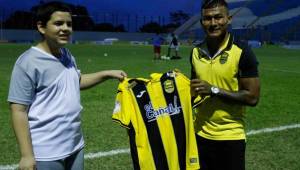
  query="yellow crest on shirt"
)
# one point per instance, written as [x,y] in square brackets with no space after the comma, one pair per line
[169,86]
[224,58]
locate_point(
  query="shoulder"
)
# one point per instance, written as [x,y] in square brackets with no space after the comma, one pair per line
[27,56]
[242,44]
[197,45]
[246,50]
[30,60]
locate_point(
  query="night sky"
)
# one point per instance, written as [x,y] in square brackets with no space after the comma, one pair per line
[135,7]
[139,7]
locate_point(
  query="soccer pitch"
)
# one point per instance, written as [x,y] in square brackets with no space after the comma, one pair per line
[279,104]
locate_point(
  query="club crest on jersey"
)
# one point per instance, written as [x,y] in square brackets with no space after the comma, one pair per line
[152,114]
[224,58]
[169,86]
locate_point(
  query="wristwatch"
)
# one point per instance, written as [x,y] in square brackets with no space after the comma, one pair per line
[214,90]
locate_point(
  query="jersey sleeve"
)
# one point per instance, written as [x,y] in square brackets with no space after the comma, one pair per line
[22,87]
[248,65]
[123,106]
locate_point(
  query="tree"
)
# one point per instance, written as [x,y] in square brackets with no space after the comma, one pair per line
[119,28]
[179,17]
[81,18]
[26,20]
[151,27]
[170,27]
[20,20]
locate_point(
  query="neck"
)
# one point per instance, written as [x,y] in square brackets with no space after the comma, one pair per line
[214,44]
[44,45]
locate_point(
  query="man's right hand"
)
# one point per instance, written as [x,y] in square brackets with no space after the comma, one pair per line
[200,87]
[27,163]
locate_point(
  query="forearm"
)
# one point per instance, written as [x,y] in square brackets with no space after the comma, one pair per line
[21,129]
[242,96]
[248,93]
[92,79]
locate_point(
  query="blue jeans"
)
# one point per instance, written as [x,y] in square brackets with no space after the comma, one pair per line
[72,162]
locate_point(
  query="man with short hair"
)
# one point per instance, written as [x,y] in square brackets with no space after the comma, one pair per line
[225,79]
[174,44]
[44,96]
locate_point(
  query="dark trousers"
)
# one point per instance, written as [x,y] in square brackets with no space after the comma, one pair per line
[72,162]
[221,155]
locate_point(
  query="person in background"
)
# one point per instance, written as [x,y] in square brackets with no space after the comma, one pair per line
[174,44]
[44,96]
[157,40]
[225,77]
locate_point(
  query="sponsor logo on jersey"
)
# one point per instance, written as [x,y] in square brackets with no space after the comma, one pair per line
[152,114]
[141,94]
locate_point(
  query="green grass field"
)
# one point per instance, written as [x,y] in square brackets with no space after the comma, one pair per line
[279,104]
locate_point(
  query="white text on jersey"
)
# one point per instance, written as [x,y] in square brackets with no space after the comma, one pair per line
[153,114]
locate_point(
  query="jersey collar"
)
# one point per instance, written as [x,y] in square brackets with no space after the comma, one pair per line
[226,45]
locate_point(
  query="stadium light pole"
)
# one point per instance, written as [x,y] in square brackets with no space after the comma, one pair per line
[1,26]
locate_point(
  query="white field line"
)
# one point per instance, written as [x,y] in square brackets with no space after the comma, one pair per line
[104,154]
[280,70]
[123,151]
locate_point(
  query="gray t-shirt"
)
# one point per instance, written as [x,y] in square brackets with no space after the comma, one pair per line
[50,86]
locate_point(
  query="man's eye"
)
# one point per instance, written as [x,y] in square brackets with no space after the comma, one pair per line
[206,18]
[58,23]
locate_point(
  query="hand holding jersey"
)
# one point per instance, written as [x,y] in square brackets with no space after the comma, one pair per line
[200,87]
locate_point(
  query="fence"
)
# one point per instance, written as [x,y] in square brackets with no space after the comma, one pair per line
[131,22]
[18,35]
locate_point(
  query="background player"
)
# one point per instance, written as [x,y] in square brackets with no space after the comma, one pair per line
[157,40]
[174,44]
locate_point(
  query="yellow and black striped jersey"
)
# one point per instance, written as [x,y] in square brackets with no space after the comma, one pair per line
[158,115]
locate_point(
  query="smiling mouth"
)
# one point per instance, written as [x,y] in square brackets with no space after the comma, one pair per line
[214,29]
[64,36]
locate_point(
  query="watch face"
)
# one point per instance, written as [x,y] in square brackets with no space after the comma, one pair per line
[215,90]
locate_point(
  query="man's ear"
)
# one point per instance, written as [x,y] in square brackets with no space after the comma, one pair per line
[229,19]
[201,22]
[40,27]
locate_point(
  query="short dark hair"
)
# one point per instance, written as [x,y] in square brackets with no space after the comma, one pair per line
[45,11]
[213,3]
